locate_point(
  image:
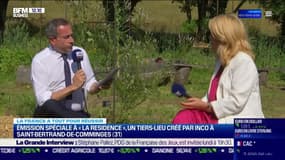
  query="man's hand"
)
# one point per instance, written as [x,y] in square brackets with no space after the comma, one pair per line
[95,88]
[78,79]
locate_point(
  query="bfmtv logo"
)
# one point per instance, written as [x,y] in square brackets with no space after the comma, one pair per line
[36,10]
[20,12]
[23,12]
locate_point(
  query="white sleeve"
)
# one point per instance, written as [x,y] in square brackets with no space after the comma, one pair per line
[243,76]
[39,79]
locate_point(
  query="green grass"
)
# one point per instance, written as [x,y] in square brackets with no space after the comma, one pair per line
[163,107]
[16,99]
[273,102]
[160,108]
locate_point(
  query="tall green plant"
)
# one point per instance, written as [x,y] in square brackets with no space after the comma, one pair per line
[268,55]
[131,87]
[16,32]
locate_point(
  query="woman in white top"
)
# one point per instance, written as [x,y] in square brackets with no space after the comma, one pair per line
[234,87]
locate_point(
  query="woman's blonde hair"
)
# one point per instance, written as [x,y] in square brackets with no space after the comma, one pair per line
[230,34]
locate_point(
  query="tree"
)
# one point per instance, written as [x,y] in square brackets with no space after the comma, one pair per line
[206,9]
[118,14]
[109,10]
[126,8]
[186,7]
[202,15]
[3,9]
[217,7]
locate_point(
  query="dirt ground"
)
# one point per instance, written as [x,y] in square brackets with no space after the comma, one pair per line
[6,126]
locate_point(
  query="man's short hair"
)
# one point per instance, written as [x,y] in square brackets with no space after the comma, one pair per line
[51,28]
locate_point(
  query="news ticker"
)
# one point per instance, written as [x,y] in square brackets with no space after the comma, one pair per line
[118,142]
[118,153]
[246,138]
[93,128]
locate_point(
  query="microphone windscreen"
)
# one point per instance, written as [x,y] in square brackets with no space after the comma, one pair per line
[179,90]
[77,55]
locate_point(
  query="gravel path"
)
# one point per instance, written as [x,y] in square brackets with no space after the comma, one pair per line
[6,127]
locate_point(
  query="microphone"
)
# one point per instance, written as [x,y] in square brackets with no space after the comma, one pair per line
[77,56]
[179,90]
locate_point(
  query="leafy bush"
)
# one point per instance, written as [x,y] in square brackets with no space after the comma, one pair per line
[11,58]
[16,31]
[18,47]
[189,27]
